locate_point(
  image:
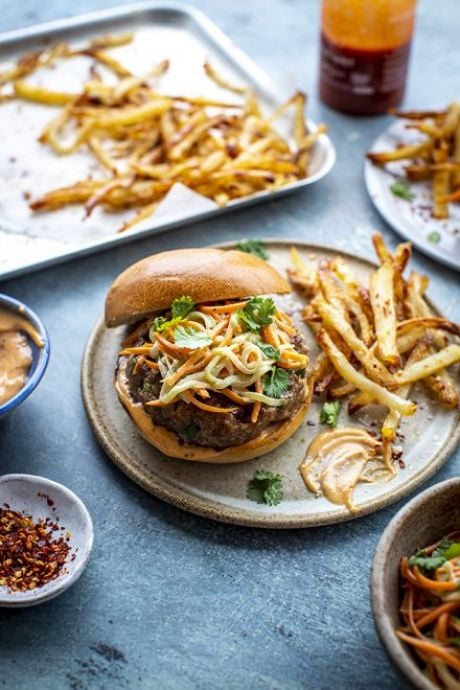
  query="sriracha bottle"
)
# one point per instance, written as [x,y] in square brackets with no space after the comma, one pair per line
[365,46]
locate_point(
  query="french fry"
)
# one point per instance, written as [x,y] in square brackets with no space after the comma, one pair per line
[429,365]
[383,306]
[436,158]
[363,383]
[223,150]
[334,320]
[403,153]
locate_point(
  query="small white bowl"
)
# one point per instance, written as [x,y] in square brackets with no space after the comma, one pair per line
[42,498]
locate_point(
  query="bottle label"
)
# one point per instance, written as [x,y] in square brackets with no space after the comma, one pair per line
[363,72]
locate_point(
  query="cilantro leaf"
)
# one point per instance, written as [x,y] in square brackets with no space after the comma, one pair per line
[427,563]
[269,351]
[401,189]
[450,550]
[191,337]
[258,312]
[265,487]
[255,247]
[181,307]
[330,413]
[161,323]
[190,431]
[276,382]
[434,237]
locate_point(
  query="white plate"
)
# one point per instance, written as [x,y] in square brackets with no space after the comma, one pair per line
[412,219]
[219,491]
[43,498]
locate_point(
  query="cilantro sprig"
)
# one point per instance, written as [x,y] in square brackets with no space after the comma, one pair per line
[276,382]
[401,189]
[180,309]
[445,551]
[258,312]
[191,338]
[330,413]
[255,247]
[265,487]
[269,351]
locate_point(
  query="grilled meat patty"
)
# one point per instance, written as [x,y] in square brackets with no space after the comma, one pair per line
[208,429]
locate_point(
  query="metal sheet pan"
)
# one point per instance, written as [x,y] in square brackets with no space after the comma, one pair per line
[162,30]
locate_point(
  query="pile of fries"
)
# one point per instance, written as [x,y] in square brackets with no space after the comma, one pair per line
[377,340]
[146,141]
[435,158]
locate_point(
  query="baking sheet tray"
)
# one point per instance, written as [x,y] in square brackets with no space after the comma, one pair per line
[163,30]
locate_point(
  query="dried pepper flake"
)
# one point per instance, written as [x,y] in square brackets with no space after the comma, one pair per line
[31,555]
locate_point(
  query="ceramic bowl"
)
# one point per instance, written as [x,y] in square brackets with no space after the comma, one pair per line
[427,518]
[40,354]
[42,498]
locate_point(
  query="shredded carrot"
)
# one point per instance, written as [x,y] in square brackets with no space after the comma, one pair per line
[234,396]
[150,364]
[134,335]
[432,616]
[203,393]
[431,648]
[218,329]
[269,335]
[222,308]
[227,339]
[257,405]
[140,350]
[433,585]
[440,630]
[171,348]
[140,360]
[196,362]
[430,620]
[189,397]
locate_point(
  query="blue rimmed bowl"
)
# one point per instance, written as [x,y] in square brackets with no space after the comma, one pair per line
[40,355]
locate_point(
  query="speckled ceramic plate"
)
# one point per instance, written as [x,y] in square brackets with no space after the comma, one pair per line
[439,239]
[219,491]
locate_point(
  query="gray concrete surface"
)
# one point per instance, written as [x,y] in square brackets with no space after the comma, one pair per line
[170,601]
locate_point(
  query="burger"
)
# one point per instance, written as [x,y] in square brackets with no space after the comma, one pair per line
[210,370]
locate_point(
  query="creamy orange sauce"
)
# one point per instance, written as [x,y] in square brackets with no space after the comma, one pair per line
[338,459]
[15,353]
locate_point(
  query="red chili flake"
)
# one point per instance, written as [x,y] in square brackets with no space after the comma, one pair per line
[30,555]
[49,501]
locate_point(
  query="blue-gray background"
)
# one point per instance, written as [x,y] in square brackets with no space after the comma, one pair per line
[170,600]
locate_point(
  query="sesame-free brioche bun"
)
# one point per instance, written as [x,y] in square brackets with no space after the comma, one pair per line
[206,275]
[168,443]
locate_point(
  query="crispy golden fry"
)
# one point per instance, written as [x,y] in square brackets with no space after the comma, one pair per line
[303,277]
[404,152]
[222,81]
[417,114]
[436,158]
[440,191]
[147,141]
[383,306]
[391,421]
[38,94]
[334,320]
[441,384]
[350,374]
[348,364]
[342,390]
[429,365]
